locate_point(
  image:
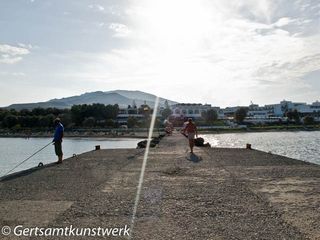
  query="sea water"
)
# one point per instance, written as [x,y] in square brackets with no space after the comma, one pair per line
[302,145]
[15,150]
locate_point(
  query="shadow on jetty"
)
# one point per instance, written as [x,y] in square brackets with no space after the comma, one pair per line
[194,158]
[26,172]
[135,155]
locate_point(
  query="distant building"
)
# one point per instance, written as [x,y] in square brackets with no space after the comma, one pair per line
[190,110]
[277,112]
[129,111]
[229,112]
[255,111]
[136,112]
[125,113]
[270,113]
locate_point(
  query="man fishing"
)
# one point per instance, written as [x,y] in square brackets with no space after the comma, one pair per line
[190,130]
[57,139]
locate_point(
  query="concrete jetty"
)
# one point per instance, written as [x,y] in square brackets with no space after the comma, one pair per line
[215,194]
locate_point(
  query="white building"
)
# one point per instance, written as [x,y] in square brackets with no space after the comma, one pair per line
[190,110]
[255,111]
[256,114]
[220,112]
[125,113]
[284,106]
[277,112]
[135,112]
[228,112]
[315,107]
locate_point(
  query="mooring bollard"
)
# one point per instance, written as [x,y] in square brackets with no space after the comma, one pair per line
[97,147]
[248,146]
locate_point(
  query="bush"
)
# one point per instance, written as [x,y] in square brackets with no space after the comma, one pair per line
[240,114]
[132,122]
[308,120]
[9,121]
[89,122]
[210,116]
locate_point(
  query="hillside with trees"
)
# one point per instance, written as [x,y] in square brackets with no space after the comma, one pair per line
[95,115]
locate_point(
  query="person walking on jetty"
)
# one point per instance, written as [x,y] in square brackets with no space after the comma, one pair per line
[57,139]
[190,130]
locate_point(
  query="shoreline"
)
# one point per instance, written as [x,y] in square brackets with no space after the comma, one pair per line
[143,135]
[74,136]
[224,131]
[137,135]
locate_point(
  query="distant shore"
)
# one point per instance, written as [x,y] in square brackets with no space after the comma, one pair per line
[143,133]
[259,129]
[88,134]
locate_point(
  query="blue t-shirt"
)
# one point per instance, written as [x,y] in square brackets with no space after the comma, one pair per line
[58,134]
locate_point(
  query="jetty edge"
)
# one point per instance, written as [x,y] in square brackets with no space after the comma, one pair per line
[218,193]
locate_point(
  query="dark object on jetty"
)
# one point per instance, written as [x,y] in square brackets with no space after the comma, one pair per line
[97,147]
[143,144]
[199,142]
[161,136]
[153,143]
[248,146]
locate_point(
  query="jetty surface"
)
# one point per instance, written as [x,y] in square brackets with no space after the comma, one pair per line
[215,194]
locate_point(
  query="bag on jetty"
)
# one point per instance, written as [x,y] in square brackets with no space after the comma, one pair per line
[199,142]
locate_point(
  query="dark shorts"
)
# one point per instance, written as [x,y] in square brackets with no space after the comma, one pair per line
[58,148]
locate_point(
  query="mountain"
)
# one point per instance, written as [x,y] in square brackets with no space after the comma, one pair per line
[140,97]
[121,97]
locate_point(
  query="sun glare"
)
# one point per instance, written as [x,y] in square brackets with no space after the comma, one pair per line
[174,31]
[176,23]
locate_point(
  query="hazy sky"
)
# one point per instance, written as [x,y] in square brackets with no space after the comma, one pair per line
[211,51]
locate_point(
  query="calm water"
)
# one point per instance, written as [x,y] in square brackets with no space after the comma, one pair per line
[15,150]
[299,145]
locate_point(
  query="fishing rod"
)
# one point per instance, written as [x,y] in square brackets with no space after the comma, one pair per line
[28,158]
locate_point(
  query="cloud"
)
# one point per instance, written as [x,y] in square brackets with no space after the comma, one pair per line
[96,7]
[226,50]
[284,21]
[27,46]
[286,71]
[120,30]
[221,52]
[14,74]
[11,54]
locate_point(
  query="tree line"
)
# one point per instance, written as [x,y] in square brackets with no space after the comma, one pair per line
[95,115]
[100,115]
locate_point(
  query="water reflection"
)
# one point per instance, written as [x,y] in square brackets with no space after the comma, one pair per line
[300,145]
[14,150]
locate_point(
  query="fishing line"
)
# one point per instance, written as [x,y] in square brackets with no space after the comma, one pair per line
[27,158]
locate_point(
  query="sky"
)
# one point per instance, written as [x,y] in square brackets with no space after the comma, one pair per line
[224,53]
